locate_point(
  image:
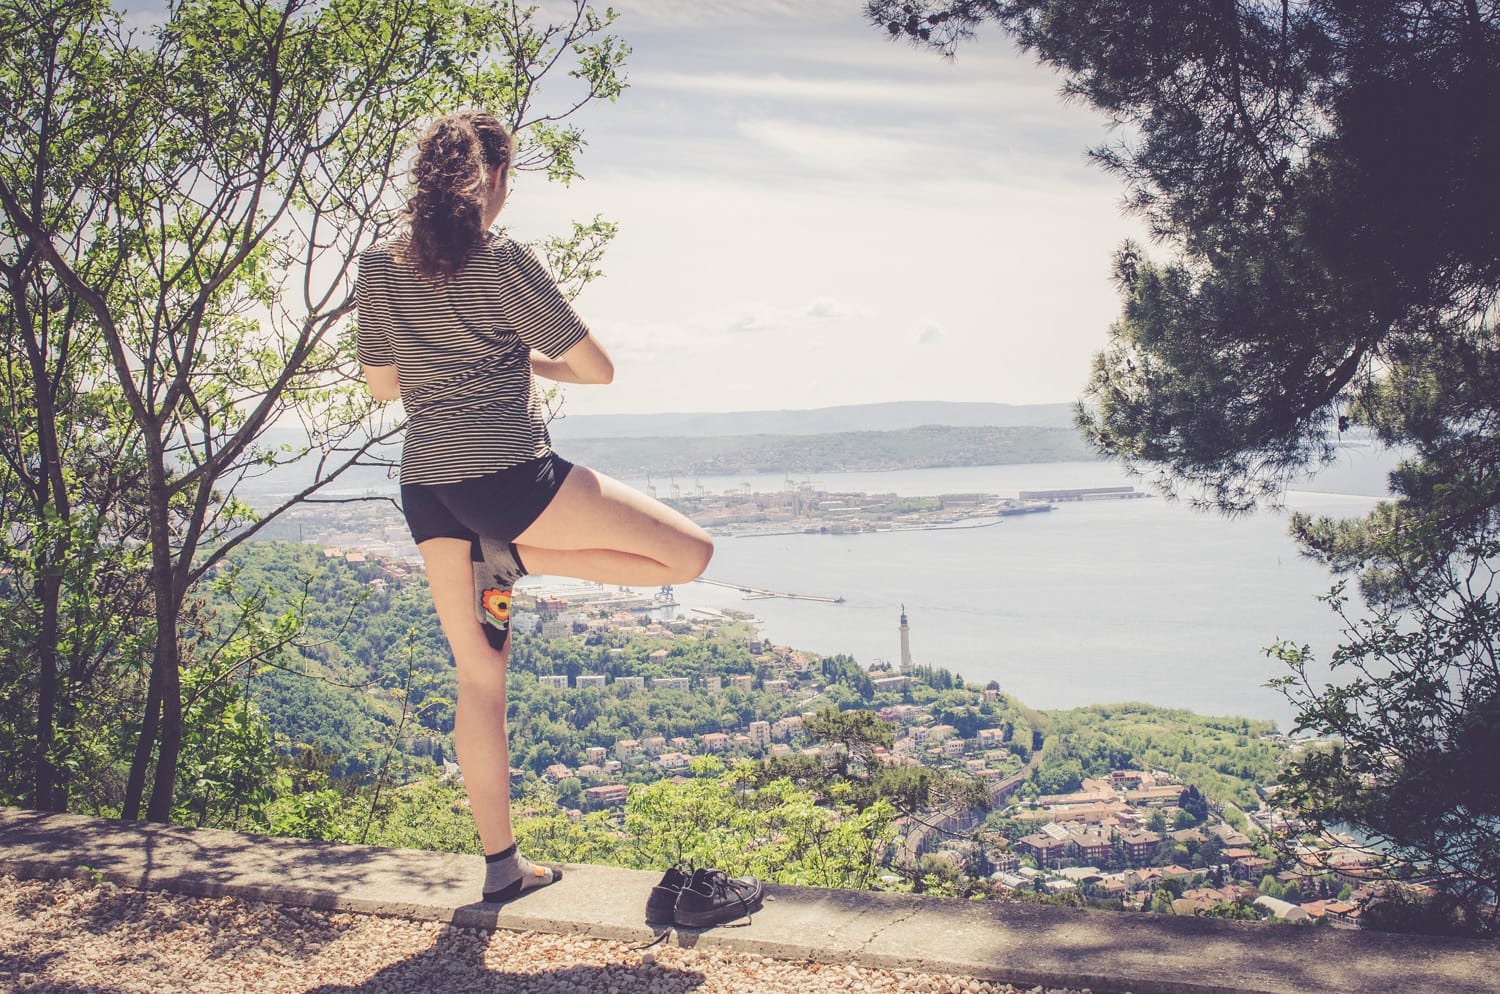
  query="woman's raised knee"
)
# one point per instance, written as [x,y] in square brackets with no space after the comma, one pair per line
[693,560]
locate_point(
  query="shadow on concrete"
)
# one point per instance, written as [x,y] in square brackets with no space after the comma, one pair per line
[1035,944]
[212,863]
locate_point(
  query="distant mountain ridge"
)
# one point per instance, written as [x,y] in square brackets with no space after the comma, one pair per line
[894,416]
[853,438]
[923,447]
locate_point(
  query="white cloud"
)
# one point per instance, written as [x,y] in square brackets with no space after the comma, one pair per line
[823,92]
[631,340]
[930,331]
[757,319]
[762,317]
[827,307]
[723,13]
[834,149]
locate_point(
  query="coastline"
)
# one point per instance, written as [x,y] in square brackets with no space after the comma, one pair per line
[1093,602]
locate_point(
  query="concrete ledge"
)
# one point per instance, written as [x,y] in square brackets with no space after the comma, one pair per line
[1023,944]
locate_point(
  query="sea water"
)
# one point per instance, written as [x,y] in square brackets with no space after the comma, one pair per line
[1092,602]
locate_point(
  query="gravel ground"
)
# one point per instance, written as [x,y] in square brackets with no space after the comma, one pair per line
[65,937]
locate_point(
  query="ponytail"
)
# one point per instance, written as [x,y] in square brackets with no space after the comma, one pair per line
[445,211]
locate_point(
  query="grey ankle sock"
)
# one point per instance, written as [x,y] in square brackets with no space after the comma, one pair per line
[512,874]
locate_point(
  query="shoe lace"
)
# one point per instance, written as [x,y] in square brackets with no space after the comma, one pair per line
[721,884]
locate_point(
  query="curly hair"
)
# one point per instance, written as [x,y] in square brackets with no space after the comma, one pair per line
[445,211]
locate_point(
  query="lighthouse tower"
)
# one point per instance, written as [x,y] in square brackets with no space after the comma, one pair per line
[905,642]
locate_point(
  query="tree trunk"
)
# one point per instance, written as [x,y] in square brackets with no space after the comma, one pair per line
[166,659]
[46,696]
[170,743]
[48,492]
[135,786]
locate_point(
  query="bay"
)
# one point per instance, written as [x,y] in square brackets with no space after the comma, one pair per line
[1091,603]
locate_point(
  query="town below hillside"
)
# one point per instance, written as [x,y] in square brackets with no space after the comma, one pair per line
[1142,839]
[628,718]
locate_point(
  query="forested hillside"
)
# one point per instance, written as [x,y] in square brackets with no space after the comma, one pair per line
[366,664]
[1226,758]
[360,665]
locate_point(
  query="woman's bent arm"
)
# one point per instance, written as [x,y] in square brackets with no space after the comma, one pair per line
[383,382]
[585,362]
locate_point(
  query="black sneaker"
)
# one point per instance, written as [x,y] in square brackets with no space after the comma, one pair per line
[712,897]
[663,900]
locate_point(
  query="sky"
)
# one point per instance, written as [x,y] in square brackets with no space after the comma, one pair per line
[812,215]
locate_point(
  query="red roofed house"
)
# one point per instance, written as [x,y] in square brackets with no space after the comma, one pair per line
[1140,845]
[1047,850]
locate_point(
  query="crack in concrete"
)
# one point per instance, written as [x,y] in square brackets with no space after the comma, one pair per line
[863,946]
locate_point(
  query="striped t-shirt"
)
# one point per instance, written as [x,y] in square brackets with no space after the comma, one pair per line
[462,351]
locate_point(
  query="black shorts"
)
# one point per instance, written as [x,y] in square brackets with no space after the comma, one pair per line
[501,505]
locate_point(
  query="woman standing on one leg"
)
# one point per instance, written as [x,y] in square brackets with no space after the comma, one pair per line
[456,320]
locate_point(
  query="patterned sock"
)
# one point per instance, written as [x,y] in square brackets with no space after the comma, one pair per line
[496,570]
[508,874]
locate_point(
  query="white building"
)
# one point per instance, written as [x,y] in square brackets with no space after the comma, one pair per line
[787,727]
[905,642]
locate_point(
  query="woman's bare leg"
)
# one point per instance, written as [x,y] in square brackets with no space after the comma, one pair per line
[479,732]
[596,528]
